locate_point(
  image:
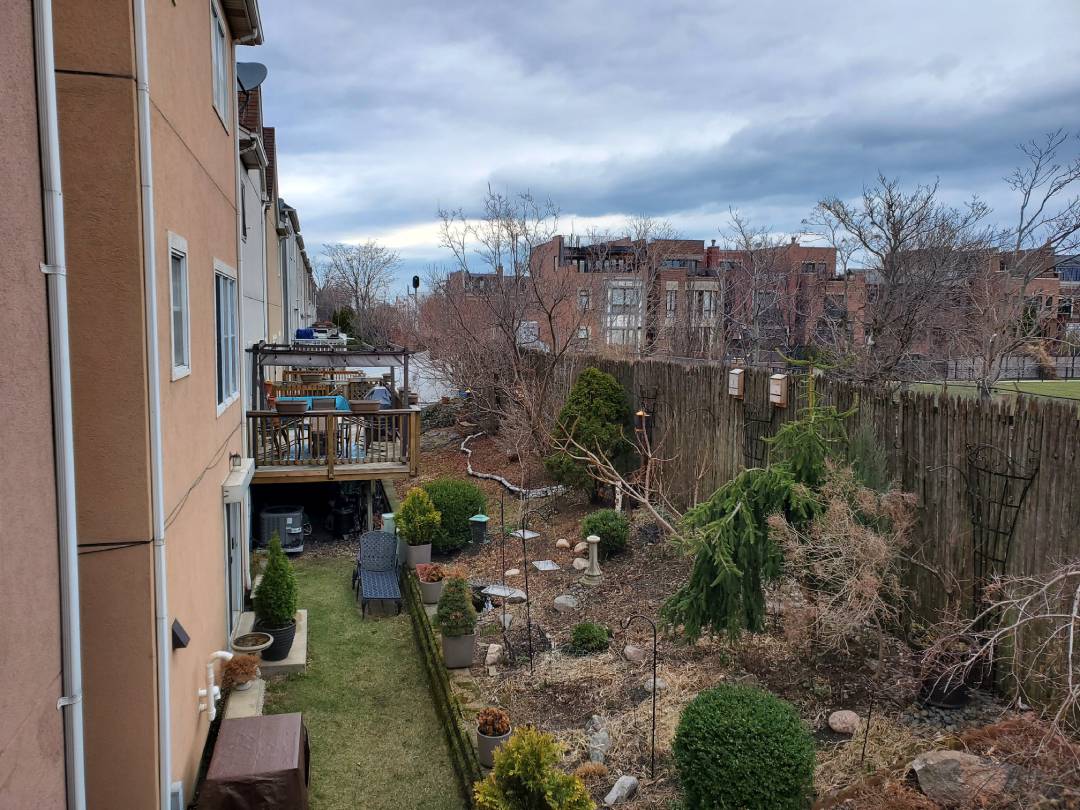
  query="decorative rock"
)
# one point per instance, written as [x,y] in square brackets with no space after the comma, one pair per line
[512,572]
[635,655]
[566,603]
[494,655]
[624,788]
[844,722]
[599,743]
[595,723]
[660,685]
[562,542]
[580,563]
[957,779]
[581,547]
[492,671]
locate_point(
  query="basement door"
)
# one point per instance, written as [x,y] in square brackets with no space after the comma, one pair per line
[234,571]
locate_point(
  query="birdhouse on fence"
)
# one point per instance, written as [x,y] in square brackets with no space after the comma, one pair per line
[735,381]
[778,390]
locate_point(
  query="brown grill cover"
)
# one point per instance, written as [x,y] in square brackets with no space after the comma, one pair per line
[258,762]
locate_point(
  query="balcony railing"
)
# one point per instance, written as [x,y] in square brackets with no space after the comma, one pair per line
[334,440]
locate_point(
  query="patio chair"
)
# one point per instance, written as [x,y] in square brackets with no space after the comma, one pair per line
[376,573]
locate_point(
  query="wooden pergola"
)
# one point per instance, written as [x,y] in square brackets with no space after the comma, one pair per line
[329,357]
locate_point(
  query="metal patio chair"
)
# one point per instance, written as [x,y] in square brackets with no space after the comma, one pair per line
[376,573]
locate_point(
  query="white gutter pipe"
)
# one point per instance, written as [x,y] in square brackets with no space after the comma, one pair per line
[55,269]
[157,500]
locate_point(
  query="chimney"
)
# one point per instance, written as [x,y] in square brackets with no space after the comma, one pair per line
[714,243]
[795,240]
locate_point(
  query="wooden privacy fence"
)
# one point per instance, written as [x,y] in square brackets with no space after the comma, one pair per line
[925,436]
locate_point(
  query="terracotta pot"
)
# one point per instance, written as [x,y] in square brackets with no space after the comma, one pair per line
[458,650]
[431,591]
[485,747]
[414,555]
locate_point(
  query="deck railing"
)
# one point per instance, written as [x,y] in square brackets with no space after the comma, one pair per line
[333,439]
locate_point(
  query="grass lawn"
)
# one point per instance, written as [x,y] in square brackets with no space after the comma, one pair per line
[376,741]
[1067,389]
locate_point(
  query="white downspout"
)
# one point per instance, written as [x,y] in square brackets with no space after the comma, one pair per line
[55,268]
[161,599]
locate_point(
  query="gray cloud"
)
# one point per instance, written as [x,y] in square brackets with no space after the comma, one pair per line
[676,109]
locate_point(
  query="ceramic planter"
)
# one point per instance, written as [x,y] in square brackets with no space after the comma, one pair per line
[431,591]
[414,555]
[458,650]
[364,405]
[296,407]
[283,639]
[485,747]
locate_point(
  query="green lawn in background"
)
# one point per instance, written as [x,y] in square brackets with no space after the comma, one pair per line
[376,741]
[1068,389]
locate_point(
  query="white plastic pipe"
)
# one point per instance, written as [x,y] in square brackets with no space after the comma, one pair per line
[212,691]
[157,499]
[63,445]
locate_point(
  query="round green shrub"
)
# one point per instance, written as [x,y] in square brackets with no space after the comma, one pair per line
[418,520]
[456,501]
[275,598]
[527,776]
[613,529]
[737,746]
[589,637]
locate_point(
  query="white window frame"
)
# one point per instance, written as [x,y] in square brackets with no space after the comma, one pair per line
[219,63]
[226,361]
[178,247]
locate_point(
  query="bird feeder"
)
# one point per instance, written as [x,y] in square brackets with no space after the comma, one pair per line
[778,390]
[478,528]
[735,381]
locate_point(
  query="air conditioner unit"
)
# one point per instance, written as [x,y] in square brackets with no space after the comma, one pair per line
[288,523]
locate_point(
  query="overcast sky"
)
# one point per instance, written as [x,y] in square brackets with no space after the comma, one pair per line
[387,110]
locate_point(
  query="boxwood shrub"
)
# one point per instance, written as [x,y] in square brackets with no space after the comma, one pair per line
[737,746]
[589,637]
[613,529]
[457,501]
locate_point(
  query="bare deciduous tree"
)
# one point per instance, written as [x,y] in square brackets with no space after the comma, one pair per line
[362,274]
[1009,313]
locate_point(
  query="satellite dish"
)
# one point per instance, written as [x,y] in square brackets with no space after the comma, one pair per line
[416,282]
[250,75]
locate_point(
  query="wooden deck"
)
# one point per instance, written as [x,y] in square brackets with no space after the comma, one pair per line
[341,472]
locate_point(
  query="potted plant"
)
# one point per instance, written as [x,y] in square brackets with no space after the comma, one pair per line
[417,521]
[240,672]
[275,603]
[492,730]
[364,405]
[431,576]
[456,618]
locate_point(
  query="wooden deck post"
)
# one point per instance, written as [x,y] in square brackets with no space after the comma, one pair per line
[331,444]
[414,442]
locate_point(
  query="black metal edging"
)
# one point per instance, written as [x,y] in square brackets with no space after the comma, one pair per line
[462,752]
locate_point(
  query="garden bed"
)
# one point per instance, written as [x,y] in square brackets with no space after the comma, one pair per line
[560,691]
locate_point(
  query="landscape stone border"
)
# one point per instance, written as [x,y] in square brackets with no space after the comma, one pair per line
[459,739]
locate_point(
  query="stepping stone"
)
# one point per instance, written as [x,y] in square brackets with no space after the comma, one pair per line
[566,603]
[580,563]
[511,595]
[524,534]
[562,542]
[624,788]
[545,565]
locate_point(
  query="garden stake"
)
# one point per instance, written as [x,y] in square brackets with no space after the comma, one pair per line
[655,688]
[525,568]
[866,734]
[502,556]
